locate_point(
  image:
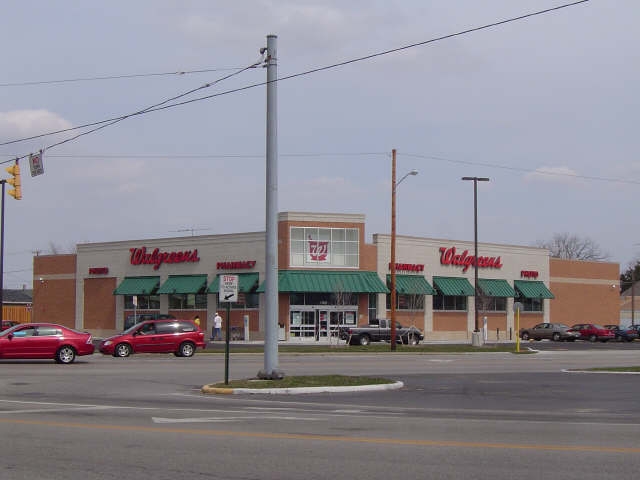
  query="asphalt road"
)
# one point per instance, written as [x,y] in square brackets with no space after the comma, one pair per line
[470,416]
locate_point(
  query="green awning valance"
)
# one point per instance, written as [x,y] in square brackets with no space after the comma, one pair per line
[496,288]
[532,289]
[183,284]
[247,283]
[411,285]
[454,286]
[137,286]
[314,281]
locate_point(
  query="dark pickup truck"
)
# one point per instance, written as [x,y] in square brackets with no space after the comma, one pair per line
[380,332]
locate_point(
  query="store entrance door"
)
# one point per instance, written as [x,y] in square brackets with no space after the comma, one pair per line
[318,323]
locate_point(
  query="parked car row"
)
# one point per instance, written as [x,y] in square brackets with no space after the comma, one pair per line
[580,331]
[64,344]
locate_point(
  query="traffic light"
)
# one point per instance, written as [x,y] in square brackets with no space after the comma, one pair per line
[14,170]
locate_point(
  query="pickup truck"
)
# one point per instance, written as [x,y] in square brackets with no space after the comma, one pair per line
[380,332]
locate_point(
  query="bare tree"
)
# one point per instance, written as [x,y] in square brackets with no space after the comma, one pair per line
[572,247]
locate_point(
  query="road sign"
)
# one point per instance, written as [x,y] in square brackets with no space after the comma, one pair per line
[35,162]
[228,291]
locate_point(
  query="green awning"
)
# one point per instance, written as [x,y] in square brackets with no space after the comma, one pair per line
[496,288]
[532,289]
[137,286]
[411,285]
[314,281]
[247,282]
[183,284]
[454,286]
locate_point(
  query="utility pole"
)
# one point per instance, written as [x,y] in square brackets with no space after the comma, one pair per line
[270,370]
[393,250]
[2,254]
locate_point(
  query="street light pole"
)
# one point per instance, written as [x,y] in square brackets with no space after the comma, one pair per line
[394,186]
[475,244]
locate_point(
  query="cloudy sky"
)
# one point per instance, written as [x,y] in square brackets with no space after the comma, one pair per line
[546,107]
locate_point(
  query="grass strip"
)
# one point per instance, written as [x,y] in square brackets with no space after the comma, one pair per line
[304,381]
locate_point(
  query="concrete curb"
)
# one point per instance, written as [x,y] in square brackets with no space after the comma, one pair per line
[209,390]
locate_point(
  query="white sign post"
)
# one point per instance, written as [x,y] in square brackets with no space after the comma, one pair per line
[228,291]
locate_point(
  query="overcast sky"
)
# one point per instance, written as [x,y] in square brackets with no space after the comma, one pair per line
[546,107]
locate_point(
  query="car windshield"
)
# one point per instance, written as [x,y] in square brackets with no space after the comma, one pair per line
[595,325]
[561,325]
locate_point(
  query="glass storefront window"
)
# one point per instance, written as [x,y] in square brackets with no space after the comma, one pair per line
[407,302]
[531,304]
[450,302]
[324,247]
[246,301]
[145,302]
[493,304]
[188,301]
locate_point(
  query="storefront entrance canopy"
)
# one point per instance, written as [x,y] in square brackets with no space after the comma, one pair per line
[411,285]
[532,289]
[313,281]
[454,286]
[496,288]
[137,286]
[247,283]
[183,284]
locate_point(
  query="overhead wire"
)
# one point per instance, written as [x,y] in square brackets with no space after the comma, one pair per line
[352,154]
[106,123]
[117,77]
[163,105]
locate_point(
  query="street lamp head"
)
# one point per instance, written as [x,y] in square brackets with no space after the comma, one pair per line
[413,172]
[476,179]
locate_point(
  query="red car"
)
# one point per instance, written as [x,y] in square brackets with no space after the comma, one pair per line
[180,337]
[8,324]
[593,332]
[45,340]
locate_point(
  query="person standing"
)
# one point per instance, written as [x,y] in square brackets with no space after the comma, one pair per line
[217,327]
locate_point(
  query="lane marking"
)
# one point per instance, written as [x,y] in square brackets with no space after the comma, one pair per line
[330,438]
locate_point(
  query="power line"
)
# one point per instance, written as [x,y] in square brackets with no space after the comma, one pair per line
[524,170]
[348,154]
[163,106]
[106,123]
[117,77]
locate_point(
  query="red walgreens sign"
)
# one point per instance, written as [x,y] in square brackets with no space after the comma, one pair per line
[318,250]
[448,256]
[139,256]
[528,274]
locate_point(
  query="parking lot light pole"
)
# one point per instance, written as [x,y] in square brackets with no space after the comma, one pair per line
[475,245]
[394,186]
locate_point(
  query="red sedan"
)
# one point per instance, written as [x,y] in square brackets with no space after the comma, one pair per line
[45,340]
[592,332]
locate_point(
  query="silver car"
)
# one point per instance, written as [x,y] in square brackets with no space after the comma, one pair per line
[550,331]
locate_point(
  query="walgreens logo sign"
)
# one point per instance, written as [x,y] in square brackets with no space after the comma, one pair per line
[449,256]
[140,256]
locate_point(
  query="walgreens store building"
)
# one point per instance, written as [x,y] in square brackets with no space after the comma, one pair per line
[329,275]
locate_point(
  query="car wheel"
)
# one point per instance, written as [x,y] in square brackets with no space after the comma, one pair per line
[365,340]
[593,338]
[525,336]
[122,350]
[556,337]
[65,355]
[187,349]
